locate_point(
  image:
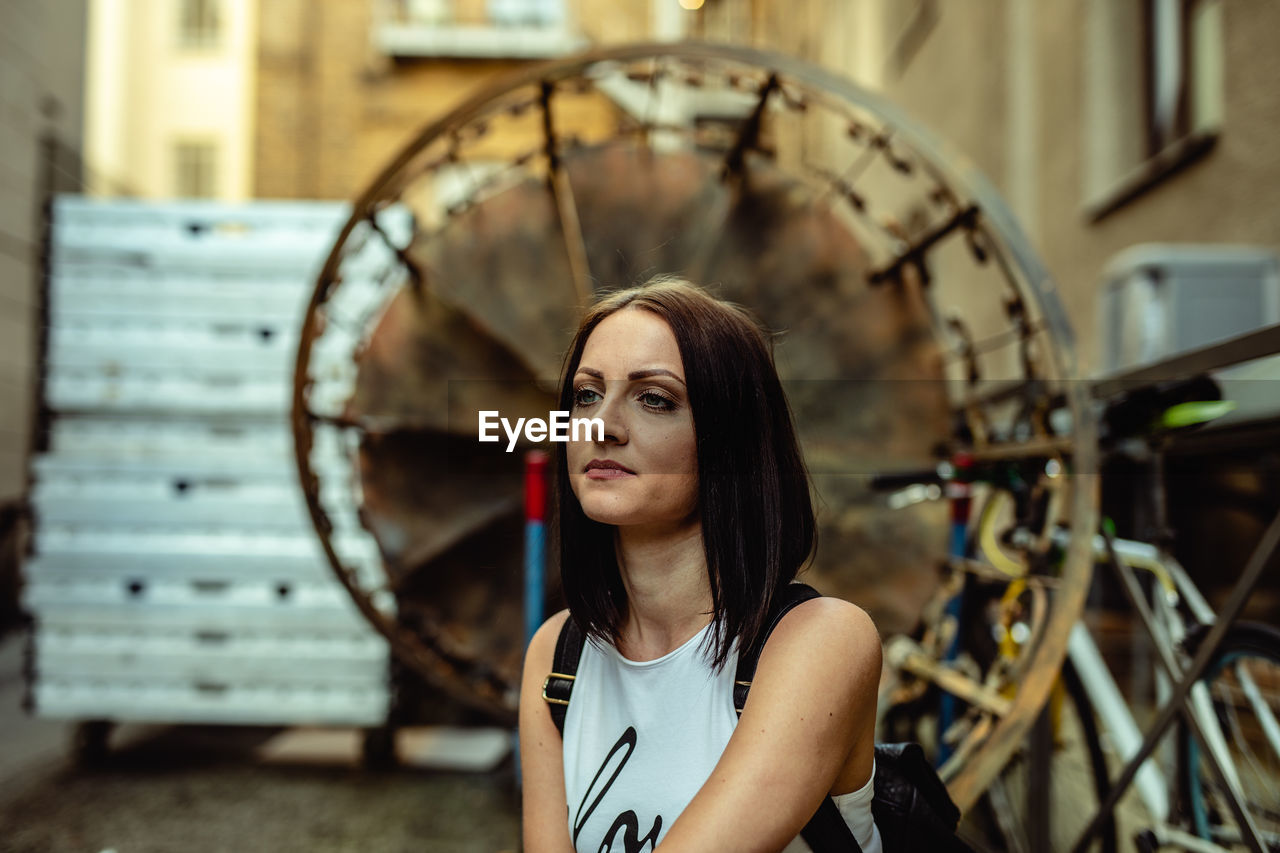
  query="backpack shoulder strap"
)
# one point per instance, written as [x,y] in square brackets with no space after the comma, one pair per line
[557,688]
[826,831]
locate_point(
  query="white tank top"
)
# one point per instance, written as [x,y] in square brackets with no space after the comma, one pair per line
[640,739]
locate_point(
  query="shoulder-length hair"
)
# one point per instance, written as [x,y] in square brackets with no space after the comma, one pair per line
[758,524]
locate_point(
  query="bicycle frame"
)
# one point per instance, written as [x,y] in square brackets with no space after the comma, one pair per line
[1169,630]
[1159,609]
[1113,711]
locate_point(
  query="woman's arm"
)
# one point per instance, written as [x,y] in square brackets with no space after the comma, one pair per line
[546,812]
[808,728]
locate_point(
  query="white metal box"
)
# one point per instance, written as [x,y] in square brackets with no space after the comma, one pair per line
[1158,299]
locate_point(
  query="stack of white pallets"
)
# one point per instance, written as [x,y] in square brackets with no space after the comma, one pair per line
[176,576]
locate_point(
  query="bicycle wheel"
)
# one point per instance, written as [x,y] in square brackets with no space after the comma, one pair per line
[1078,781]
[1243,678]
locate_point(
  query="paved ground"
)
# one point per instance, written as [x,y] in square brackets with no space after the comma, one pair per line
[217,789]
[201,788]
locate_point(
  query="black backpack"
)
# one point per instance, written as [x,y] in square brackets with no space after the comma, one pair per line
[911,806]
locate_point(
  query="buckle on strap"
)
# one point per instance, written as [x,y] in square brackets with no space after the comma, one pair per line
[546,682]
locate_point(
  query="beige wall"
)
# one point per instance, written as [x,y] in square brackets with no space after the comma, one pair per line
[41,74]
[1229,196]
[146,93]
[330,113]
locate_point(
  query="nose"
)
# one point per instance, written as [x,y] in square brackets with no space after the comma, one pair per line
[613,412]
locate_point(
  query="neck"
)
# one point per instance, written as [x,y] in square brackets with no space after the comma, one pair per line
[668,594]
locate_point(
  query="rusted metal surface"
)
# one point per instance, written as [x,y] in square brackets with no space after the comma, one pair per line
[493,288]
[463,344]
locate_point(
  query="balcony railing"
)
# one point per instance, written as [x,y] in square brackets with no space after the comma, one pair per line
[497,29]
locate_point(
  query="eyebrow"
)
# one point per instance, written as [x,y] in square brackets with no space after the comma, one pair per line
[635,374]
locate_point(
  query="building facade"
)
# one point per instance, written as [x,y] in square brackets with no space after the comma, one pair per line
[342,86]
[169,96]
[41,101]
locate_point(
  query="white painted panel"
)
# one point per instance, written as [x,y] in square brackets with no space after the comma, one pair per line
[140,214]
[182,446]
[162,394]
[195,462]
[229,239]
[58,611]
[198,354]
[59,566]
[283,258]
[204,358]
[213,702]
[61,570]
[195,354]
[308,646]
[192,545]
[113,480]
[263,594]
[86,297]
[212,656]
[159,502]
[171,244]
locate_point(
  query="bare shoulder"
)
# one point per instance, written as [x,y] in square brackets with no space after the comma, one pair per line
[537,730]
[543,797]
[542,648]
[826,617]
[830,636]
[814,694]
[538,661]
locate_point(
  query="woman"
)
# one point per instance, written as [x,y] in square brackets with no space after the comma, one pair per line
[676,531]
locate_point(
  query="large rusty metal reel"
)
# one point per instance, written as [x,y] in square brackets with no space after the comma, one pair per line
[780,186]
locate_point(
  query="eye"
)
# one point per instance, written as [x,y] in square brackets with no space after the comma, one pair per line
[585,396]
[656,401]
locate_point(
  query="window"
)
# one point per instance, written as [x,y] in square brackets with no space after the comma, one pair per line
[1178,45]
[199,24]
[1153,94]
[195,169]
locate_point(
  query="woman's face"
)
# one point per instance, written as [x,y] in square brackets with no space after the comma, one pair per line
[645,471]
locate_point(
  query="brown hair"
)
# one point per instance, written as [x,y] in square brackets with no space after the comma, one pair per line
[758,524]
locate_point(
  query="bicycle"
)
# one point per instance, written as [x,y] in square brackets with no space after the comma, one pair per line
[998,620]
[1197,812]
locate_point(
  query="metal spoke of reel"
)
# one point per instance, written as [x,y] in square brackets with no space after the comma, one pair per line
[566,207]
[911,302]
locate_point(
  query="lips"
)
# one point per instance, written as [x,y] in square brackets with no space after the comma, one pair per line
[607,469]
